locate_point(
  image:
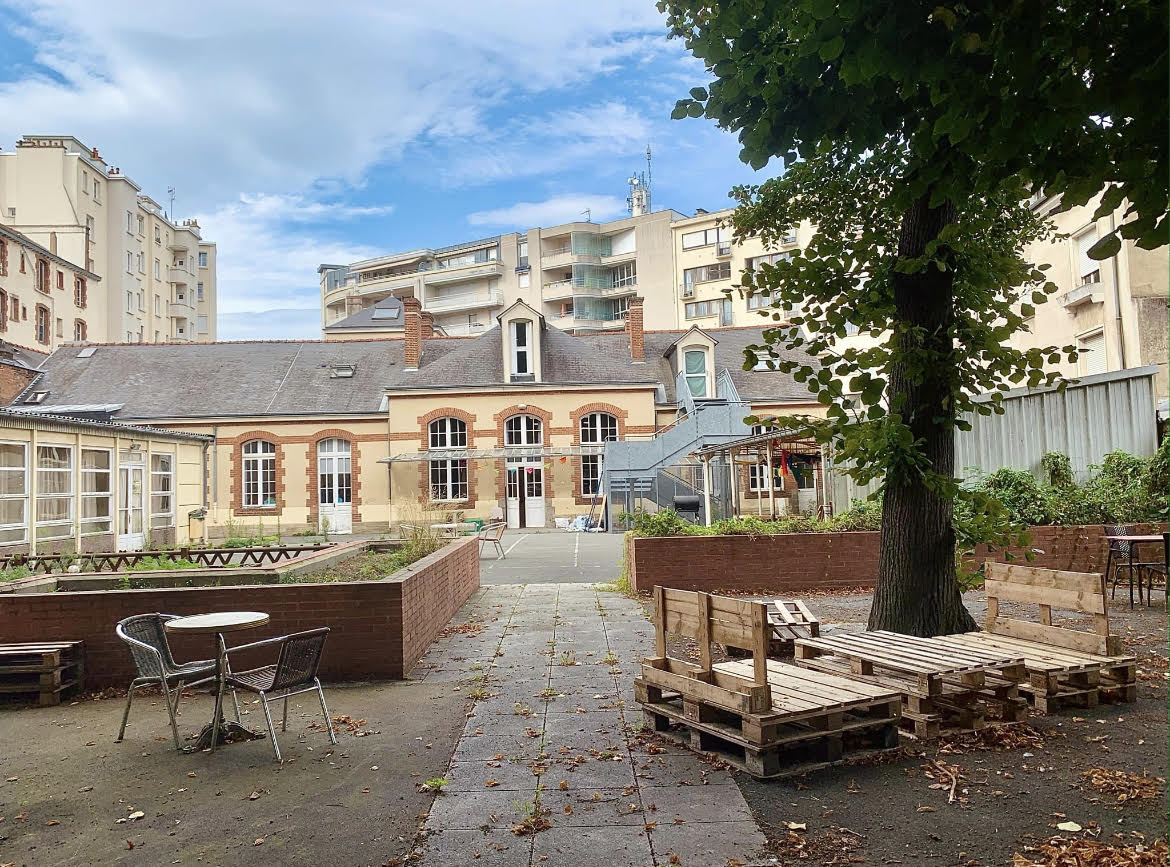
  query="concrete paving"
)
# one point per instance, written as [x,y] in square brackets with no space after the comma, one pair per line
[553,557]
[553,739]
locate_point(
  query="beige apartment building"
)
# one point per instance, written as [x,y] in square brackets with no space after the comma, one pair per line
[45,300]
[157,275]
[1114,311]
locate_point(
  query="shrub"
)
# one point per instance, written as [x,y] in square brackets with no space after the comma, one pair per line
[1026,500]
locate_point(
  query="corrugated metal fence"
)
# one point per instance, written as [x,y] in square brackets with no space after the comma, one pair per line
[1098,414]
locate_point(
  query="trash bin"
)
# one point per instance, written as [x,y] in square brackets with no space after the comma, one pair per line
[478,523]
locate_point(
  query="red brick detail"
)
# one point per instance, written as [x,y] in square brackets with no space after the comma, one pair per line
[355,471]
[426,324]
[379,629]
[412,332]
[14,380]
[424,424]
[236,474]
[424,489]
[634,327]
[503,415]
[576,415]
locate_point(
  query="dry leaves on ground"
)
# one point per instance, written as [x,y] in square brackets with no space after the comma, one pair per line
[1013,737]
[1079,852]
[834,845]
[1126,787]
[470,629]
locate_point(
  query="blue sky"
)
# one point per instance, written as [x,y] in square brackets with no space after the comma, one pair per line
[303,132]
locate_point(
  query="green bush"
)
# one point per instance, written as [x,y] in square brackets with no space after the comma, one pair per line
[13,573]
[864,515]
[153,564]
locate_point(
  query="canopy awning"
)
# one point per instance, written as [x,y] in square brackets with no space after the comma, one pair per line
[515,452]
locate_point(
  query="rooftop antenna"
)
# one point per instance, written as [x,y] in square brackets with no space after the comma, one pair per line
[588,215]
[638,199]
[171,193]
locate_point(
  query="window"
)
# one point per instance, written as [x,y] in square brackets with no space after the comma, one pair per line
[706,273]
[1091,354]
[695,365]
[13,492]
[523,430]
[758,476]
[42,323]
[334,472]
[803,472]
[129,262]
[129,301]
[60,327]
[625,274]
[3,258]
[157,269]
[97,191]
[201,324]
[156,337]
[141,226]
[596,428]
[130,222]
[524,280]
[80,332]
[141,302]
[448,480]
[157,235]
[158,305]
[61,280]
[259,475]
[89,227]
[80,293]
[702,238]
[85,182]
[54,492]
[140,263]
[698,309]
[3,310]
[42,276]
[521,254]
[521,348]
[15,309]
[448,433]
[162,491]
[96,491]
[1089,269]
[202,258]
[199,291]
[759,300]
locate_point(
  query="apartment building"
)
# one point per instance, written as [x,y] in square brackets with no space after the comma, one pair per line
[157,274]
[1114,311]
[44,298]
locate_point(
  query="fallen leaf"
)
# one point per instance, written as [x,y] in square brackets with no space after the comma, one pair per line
[86,789]
[925,810]
[137,814]
[259,841]
[563,785]
[254,796]
[52,822]
[491,784]
[796,826]
[129,844]
[1068,826]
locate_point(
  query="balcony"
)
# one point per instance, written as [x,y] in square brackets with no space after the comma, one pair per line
[570,322]
[563,257]
[464,301]
[178,276]
[557,290]
[462,329]
[1090,292]
[461,273]
[179,310]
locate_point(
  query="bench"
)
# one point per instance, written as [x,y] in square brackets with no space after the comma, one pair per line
[765,716]
[44,670]
[1065,665]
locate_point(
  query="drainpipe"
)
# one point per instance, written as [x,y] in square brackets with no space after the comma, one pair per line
[1117,300]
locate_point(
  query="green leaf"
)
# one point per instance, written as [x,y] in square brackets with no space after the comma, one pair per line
[831,50]
[699,93]
[1108,246]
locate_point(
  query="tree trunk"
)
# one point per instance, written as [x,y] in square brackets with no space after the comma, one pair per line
[917,592]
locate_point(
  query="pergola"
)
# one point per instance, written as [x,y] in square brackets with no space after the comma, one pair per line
[758,449]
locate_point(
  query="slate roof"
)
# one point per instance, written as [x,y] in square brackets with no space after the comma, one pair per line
[386,314]
[252,379]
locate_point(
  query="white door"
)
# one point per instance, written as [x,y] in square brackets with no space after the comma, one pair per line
[334,487]
[512,494]
[131,507]
[524,494]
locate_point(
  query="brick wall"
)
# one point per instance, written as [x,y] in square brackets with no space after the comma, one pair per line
[379,628]
[826,561]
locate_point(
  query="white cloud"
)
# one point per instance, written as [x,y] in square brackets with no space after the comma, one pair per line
[550,212]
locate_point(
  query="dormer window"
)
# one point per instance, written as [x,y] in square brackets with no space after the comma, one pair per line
[695,366]
[522,348]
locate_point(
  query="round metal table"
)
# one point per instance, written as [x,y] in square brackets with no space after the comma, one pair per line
[218,623]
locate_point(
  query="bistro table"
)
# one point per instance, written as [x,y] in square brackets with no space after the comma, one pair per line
[454,527]
[1134,541]
[218,730]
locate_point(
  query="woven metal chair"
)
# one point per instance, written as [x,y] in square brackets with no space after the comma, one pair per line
[147,640]
[493,534]
[1122,551]
[295,672]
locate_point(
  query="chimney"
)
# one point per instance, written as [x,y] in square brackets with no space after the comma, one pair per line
[426,325]
[634,326]
[413,338]
[353,303]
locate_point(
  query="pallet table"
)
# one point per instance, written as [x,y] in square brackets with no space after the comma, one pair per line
[44,670]
[943,687]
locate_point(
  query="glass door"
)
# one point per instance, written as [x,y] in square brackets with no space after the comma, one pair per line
[131,507]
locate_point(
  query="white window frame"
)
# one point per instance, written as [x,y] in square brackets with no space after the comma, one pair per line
[448,480]
[162,519]
[687,353]
[157,269]
[96,494]
[447,432]
[202,258]
[199,291]
[58,528]
[595,428]
[521,328]
[258,471]
[21,497]
[523,430]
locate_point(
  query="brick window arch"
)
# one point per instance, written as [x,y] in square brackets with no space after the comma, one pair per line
[311,483]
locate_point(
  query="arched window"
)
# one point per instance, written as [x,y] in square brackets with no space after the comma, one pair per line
[259,474]
[448,476]
[523,430]
[596,428]
[695,371]
[334,472]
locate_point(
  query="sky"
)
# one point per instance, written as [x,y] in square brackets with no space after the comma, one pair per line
[300,133]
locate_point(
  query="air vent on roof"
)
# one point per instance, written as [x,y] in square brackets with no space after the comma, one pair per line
[36,397]
[342,371]
[87,352]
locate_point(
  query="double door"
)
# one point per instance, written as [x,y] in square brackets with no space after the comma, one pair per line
[524,493]
[131,507]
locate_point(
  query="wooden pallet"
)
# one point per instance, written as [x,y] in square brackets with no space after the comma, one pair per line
[816,719]
[943,688]
[790,619]
[41,670]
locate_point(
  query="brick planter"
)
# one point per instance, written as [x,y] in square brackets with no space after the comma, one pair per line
[379,628]
[791,562]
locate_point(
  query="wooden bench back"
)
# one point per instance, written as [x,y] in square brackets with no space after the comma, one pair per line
[1079,592]
[707,618]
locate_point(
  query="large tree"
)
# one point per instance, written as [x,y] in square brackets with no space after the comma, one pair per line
[946,112]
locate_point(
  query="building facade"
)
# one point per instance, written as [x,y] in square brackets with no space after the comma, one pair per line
[157,275]
[1114,311]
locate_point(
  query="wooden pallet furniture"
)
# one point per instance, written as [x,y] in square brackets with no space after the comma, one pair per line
[767,717]
[1066,666]
[44,671]
[790,619]
[943,687]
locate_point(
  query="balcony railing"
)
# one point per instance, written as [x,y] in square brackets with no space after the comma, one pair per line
[465,301]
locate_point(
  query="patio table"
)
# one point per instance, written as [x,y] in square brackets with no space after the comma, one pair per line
[1134,541]
[453,527]
[218,730]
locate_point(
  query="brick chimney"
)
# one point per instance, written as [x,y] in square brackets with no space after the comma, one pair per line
[413,338]
[634,327]
[426,324]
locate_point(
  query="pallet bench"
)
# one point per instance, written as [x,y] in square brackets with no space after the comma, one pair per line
[943,687]
[790,619]
[1065,666]
[41,670]
[767,717]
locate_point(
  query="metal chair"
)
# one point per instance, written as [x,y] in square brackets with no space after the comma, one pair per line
[1119,550]
[1162,569]
[295,672]
[493,534]
[147,639]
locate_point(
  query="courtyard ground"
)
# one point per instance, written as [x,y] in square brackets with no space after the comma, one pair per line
[553,557]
